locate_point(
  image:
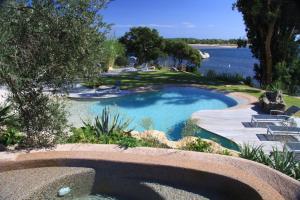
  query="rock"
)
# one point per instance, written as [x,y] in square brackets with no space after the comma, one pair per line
[272,101]
[63,191]
[161,137]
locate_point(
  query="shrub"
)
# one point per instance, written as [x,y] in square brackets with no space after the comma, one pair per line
[6,118]
[11,136]
[87,134]
[199,145]
[226,77]
[121,61]
[226,152]
[82,135]
[211,74]
[110,122]
[248,80]
[282,161]
[250,152]
[152,142]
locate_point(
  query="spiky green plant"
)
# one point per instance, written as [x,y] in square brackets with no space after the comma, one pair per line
[110,122]
[250,152]
[283,161]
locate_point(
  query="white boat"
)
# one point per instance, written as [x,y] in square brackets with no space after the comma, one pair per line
[204,55]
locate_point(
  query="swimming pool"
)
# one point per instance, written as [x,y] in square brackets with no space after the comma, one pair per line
[168,108]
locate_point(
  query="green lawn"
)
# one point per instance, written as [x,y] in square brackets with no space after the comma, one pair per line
[139,79]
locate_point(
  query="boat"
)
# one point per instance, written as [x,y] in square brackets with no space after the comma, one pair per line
[204,55]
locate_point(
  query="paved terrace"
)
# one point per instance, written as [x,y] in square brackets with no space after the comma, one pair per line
[234,124]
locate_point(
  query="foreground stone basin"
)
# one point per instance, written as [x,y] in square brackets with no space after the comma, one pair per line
[139,173]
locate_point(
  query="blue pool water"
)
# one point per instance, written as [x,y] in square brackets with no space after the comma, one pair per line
[228,60]
[168,108]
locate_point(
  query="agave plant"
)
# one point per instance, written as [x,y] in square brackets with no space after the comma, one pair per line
[283,161]
[251,152]
[110,122]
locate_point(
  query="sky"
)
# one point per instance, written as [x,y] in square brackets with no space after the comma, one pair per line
[177,18]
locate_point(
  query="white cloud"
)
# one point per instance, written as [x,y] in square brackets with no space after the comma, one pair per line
[189,25]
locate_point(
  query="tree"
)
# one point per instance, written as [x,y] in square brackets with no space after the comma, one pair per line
[181,51]
[47,44]
[241,43]
[144,43]
[271,27]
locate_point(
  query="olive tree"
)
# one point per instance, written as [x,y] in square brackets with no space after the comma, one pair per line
[47,44]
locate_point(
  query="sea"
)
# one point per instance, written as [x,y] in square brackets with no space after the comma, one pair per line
[228,60]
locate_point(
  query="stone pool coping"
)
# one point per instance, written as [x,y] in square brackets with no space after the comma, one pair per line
[270,184]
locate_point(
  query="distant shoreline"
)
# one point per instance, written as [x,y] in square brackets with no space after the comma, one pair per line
[214,45]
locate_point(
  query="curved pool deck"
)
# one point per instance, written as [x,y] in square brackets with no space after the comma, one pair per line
[196,171]
[230,123]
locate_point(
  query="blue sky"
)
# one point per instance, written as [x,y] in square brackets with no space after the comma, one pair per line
[177,18]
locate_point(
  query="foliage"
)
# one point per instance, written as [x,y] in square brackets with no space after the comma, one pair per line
[206,41]
[250,152]
[144,43]
[248,80]
[6,118]
[271,28]
[82,135]
[289,75]
[190,128]
[152,142]
[121,61]
[181,51]
[226,152]
[44,123]
[11,136]
[110,122]
[113,50]
[230,78]
[241,43]
[199,145]
[282,161]
[47,44]
[147,123]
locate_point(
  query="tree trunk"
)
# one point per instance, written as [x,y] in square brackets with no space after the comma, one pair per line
[268,55]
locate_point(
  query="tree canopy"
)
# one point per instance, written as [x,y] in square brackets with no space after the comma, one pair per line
[271,26]
[144,43]
[47,44]
[181,51]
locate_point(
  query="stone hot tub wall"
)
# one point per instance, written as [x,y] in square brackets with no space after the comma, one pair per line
[121,172]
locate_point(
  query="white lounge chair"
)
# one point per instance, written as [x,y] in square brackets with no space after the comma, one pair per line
[283,130]
[284,116]
[295,148]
